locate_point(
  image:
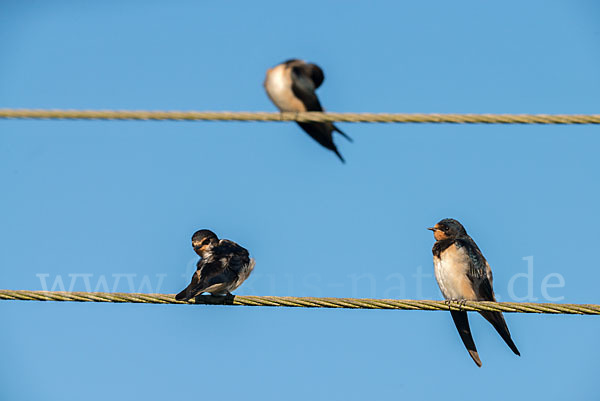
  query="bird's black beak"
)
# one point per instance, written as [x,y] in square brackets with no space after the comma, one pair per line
[431,228]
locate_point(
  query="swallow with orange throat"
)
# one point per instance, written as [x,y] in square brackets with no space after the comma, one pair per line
[463,274]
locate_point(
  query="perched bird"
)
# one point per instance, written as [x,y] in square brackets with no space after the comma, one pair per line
[463,274]
[291,87]
[223,266]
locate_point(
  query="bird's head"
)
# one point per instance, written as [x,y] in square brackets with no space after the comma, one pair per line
[204,241]
[293,61]
[448,229]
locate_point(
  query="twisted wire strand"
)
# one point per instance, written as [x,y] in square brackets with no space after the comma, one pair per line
[301,117]
[304,302]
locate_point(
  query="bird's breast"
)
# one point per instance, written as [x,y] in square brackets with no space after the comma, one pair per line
[278,85]
[451,268]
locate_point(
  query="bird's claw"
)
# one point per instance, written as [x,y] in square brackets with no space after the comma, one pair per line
[461,303]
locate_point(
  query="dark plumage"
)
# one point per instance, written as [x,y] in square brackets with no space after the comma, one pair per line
[291,86]
[463,273]
[223,267]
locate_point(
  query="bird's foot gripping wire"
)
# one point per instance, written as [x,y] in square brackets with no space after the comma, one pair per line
[461,303]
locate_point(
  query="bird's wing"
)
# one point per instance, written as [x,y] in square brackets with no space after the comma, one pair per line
[478,272]
[231,255]
[226,246]
[305,79]
[497,320]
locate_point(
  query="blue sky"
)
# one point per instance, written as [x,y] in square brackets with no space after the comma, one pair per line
[116,203]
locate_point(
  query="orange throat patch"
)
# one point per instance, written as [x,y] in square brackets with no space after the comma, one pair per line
[439,235]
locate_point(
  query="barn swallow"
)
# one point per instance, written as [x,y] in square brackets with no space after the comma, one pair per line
[223,266]
[463,274]
[291,87]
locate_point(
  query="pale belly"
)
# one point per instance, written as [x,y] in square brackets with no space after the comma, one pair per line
[451,275]
[279,89]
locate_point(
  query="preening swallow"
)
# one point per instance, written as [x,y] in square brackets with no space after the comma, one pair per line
[223,266]
[291,87]
[463,273]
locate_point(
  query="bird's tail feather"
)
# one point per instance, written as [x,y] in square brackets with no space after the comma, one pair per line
[343,133]
[497,320]
[461,321]
[339,155]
